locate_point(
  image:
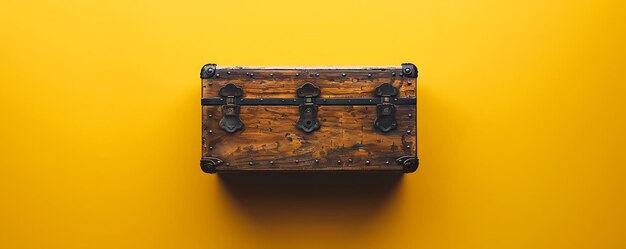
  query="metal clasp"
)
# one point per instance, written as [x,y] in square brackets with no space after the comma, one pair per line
[230,121]
[308,121]
[385,111]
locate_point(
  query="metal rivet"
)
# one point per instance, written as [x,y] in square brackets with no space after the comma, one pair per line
[343,74]
[261,99]
[228,72]
[395,99]
[282,100]
[217,75]
[324,100]
[317,161]
[271,75]
[296,161]
[317,75]
[393,74]
[210,70]
[408,132]
[210,116]
[408,146]
[251,74]
[409,82]
[221,99]
[241,100]
[387,162]
[297,74]
[407,70]
[410,115]
[227,164]
[294,100]
[350,160]
[367,162]
[271,162]
[210,147]
[250,163]
[339,161]
[210,131]
[369,75]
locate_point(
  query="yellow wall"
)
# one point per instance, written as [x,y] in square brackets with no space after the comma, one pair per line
[521,116]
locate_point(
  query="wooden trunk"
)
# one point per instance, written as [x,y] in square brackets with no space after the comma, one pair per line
[265,119]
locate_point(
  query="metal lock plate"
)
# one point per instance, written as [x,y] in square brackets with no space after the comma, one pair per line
[385,111]
[308,121]
[230,121]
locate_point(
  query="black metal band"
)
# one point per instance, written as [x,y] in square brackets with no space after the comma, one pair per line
[318,101]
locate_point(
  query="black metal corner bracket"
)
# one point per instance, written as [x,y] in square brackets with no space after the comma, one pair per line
[208,71]
[409,70]
[385,111]
[230,121]
[308,121]
[409,163]
[208,164]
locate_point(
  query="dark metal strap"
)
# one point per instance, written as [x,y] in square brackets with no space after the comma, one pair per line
[318,101]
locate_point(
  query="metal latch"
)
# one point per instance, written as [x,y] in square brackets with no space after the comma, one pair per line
[230,121]
[308,101]
[385,111]
[308,121]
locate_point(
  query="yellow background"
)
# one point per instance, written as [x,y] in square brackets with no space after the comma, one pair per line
[521,125]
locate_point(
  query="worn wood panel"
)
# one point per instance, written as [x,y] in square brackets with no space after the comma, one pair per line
[276,83]
[346,133]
